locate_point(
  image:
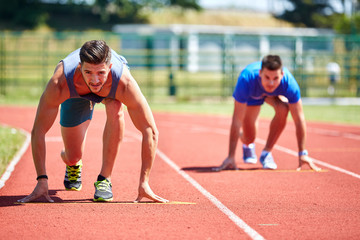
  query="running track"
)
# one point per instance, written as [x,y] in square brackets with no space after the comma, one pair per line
[246,204]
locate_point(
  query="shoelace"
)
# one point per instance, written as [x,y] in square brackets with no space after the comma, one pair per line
[74,172]
[103,186]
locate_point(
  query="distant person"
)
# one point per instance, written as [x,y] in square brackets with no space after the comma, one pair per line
[93,74]
[333,70]
[267,81]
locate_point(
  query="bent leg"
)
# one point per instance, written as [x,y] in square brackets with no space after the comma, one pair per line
[278,123]
[113,135]
[75,116]
[74,139]
[249,125]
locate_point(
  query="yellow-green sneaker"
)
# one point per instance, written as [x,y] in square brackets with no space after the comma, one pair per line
[72,180]
[103,191]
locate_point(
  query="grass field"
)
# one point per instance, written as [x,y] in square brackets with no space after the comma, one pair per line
[328,114]
[11,141]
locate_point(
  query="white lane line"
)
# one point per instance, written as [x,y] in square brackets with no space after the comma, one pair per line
[10,168]
[232,216]
[53,138]
[293,153]
[280,148]
[334,133]
[59,139]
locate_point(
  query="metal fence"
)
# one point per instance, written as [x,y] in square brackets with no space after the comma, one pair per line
[187,67]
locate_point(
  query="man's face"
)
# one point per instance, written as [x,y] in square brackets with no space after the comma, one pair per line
[270,79]
[95,75]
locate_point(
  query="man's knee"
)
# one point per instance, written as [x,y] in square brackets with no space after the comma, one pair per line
[71,157]
[281,109]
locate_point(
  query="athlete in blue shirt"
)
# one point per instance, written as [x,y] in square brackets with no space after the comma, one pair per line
[94,73]
[266,81]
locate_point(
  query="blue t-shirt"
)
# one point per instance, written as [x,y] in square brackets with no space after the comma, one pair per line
[250,90]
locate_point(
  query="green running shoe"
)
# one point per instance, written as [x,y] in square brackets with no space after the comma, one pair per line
[103,191]
[72,180]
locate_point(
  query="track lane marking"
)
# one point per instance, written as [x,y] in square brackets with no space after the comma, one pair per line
[294,153]
[111,202]
[280,148]
[276,170]
[232,216]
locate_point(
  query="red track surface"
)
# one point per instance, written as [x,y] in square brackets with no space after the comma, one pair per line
[281,204]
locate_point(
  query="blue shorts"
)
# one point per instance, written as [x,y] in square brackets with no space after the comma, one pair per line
[75,111]
[255,102]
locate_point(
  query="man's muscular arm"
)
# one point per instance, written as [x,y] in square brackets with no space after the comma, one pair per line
[53,95]
[143,120]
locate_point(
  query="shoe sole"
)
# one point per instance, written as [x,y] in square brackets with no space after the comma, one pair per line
[74,189]
[102,199]
[250,161]
[270,168]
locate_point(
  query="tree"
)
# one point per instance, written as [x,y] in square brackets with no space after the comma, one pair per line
[62,14]
[309,13]
[22,13]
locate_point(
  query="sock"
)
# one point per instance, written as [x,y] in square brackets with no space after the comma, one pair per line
[251,145]
[101,178]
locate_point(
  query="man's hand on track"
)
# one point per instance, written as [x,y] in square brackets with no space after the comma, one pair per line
[40,190]
[306,160]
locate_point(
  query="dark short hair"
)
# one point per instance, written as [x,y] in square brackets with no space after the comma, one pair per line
[271,62]
[95,52]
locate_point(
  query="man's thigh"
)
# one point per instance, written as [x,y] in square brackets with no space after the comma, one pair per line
[75,111]
[75,116]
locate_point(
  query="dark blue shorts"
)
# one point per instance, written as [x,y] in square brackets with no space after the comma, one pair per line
[255,102]
[75,111]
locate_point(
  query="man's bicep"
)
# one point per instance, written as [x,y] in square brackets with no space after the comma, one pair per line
[49,104]
[46,114]
[239,110]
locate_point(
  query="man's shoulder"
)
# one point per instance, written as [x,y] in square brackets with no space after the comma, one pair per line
[58,80]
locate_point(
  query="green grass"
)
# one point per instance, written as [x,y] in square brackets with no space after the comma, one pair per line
[326,114]
[11,141]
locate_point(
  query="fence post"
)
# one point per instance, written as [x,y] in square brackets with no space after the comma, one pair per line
[45,57]
[227,65]
[2,65]
[358,75]
[150,64]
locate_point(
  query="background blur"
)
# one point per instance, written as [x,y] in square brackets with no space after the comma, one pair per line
[184,50]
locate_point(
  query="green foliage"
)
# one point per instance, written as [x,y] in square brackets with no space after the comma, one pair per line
[11,141]
[79,15]
[313,113]
[188,4]
[116,11]
[320,14]
[309,13]
[23,13]
[347,25]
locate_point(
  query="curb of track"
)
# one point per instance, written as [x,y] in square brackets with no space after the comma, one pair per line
[10,168]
